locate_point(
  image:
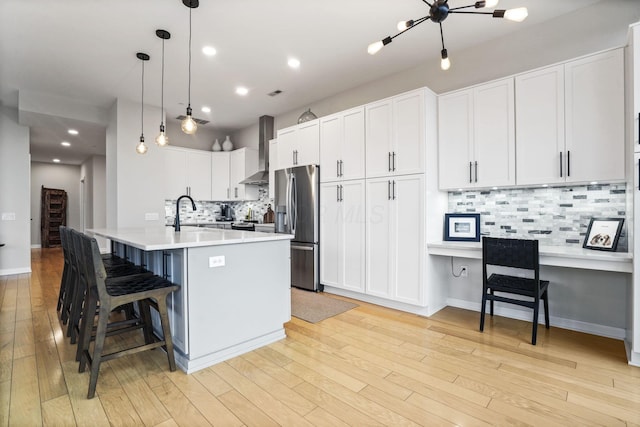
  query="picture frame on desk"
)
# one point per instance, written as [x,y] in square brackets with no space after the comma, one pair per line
[603,234]
[462,227]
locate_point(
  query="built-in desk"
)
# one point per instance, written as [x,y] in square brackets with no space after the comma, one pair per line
[558,256]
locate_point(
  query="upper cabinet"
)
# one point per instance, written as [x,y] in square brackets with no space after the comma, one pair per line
[342,146]
[570,122]
[220,174]
[187,171]
[476,143]
[299,145]
[634,67]
[242,163]
[395,132]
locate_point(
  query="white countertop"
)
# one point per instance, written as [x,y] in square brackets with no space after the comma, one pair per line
[560,256]
[159,238]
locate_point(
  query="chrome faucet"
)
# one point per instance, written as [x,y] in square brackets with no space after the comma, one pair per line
[176,222]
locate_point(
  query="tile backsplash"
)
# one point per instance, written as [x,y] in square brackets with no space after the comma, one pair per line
[556,216]
[207,211]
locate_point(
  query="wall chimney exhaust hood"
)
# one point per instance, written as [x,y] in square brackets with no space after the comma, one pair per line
[265,134]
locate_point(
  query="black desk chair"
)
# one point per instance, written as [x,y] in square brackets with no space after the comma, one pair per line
[515,253]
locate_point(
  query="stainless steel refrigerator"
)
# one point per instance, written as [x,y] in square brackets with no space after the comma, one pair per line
[297,212]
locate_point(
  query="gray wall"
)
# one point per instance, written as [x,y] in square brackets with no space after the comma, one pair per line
[63,177]
[15,256]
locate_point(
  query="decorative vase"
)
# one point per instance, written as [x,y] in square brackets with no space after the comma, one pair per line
[216,146]
[307,116]
[227,145]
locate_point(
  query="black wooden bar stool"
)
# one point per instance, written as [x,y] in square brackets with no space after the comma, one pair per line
[108,293]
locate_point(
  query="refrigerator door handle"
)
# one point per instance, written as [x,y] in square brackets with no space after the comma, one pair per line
[293,203]
[302,248]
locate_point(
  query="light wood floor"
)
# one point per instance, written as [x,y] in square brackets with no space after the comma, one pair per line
[368,366]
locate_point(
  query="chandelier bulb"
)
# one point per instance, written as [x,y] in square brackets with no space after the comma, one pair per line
[490,3]
[518,14]
[189,126]
[141,148]
[374,47]
[445,63]
[405,25]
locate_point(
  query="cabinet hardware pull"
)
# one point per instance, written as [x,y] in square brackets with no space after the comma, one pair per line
[638,128]
[337,167]
[476,171]
[341,193]
[394,161]
[389,162]
[561,164]
[302,248]
[388,190]
[568,163]
[394,189]
[236,192]
[341,168]
[470,166]
[337,193]
[228,192]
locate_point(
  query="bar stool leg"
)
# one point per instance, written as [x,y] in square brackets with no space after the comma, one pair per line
[103,320]
[166,331]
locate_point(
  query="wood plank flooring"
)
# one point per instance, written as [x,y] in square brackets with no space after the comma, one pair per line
[370,366]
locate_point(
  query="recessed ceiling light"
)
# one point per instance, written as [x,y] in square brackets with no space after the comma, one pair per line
[72,132]
[65,144]
[206,109]
[240,90]
[209,50]
[56,160]
[294,63]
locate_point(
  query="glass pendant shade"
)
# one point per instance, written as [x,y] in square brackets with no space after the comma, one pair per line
[162,139]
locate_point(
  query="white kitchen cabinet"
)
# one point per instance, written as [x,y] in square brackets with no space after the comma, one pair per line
[273,166]
[570,122]
[342,146]
[187,171]
[342,235]
[395,132]
[634,104]
[299,145]
[395,246]
[220,174]
[476,143]
[594,117]
[541,154]
[242,163]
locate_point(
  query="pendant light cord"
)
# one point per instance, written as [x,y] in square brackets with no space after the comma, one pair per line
[189,93]
[162,89]
[142,104]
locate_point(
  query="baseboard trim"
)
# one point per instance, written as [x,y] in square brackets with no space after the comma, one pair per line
[36,246]
[12,271]
[415,309]
[573,325]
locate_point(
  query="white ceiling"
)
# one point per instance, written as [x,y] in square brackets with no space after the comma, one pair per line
[85,49]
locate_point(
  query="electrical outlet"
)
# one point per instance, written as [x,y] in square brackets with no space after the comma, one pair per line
[464,271]
[216,261]
[8,216]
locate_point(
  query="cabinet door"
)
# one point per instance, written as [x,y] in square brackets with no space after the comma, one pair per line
[243,162]
[409,146]
[455,137]
[540,129]
[273,166]
[353,144]
[380,245]
[331,142]
[199,174]
[307,144]
[378,136]
[220,190]
[352,260]
[330,234]
[286,147]
[407,234]
[494,134]
[635,77]
[175,176]
[594,108]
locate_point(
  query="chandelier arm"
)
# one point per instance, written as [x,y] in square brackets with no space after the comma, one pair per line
[461,7]
[425,1]
[415,24]
[441,35]
[467,11]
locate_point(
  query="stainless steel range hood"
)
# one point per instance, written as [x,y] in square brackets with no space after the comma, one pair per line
[265,134]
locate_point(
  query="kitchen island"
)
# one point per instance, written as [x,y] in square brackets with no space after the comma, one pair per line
[235,287]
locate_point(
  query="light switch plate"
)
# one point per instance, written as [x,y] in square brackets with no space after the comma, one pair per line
[8,216]
[216,261]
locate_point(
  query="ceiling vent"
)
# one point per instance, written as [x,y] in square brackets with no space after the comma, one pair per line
[275,92]
[198,121]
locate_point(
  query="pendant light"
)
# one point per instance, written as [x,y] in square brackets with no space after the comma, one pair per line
[439,10]
[189,126]
[162,139]
[141,148]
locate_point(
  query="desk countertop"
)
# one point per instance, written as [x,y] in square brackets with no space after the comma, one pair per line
[558,256]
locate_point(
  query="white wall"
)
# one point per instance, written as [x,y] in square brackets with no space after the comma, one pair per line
[93,172]
[63,177]
[15,256]
[134,181]
[202,140]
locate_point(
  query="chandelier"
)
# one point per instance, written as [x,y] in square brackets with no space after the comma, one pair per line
[438,12]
